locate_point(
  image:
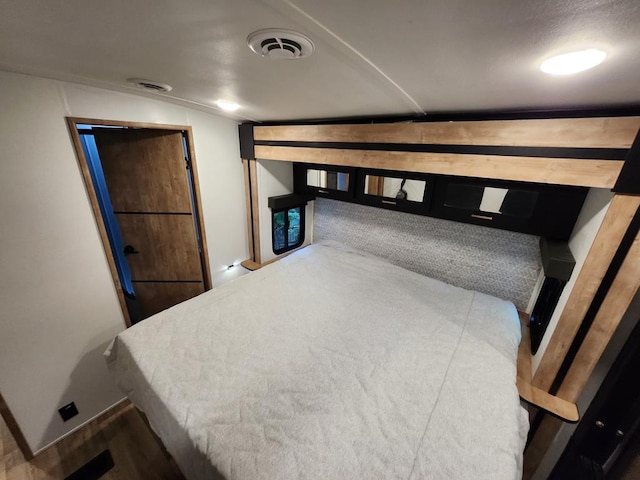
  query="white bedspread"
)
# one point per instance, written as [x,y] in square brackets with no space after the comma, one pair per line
[331,364]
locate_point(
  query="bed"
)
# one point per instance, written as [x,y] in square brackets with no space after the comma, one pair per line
[331,364]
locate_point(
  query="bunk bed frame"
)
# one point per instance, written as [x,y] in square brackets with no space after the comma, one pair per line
[588,149]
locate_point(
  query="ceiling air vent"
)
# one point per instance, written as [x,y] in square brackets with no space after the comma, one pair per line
[150,85]
[280,44]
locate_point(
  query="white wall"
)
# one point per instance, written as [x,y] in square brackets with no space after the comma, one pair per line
[59,306]
[593,211]
[276,178]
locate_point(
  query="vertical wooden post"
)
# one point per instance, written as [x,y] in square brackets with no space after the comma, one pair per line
[253,214]
[617,246]
[613,228]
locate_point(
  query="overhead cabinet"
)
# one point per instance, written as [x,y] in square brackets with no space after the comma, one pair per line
[325,181]
[548,211]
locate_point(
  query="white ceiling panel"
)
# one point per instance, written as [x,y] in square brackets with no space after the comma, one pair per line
[198,47]
[462,55]
[372,57]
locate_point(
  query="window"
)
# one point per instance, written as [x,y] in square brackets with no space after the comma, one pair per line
[287,221]
[288,229]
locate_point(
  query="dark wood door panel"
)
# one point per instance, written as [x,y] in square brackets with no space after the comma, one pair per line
[145,170]
[166,245]
[153,297]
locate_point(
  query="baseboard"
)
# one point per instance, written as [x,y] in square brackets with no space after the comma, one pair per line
[83,424]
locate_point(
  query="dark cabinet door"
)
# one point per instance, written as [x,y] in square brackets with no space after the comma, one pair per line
[545,210]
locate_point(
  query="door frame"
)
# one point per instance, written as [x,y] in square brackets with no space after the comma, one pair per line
[72,123]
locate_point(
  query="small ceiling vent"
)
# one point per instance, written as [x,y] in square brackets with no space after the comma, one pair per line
[150,85]
[280,44]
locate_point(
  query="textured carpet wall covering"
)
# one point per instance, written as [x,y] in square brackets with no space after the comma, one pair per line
[500,263]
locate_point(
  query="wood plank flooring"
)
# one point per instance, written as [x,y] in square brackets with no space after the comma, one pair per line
[136,453]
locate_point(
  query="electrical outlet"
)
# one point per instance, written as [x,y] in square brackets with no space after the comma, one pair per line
[68,411]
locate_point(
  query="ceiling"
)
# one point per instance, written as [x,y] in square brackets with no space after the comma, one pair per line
[372,57]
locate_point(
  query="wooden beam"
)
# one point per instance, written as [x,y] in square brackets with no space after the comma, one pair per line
[595,132]
[604,247]
[561,171]
[255,209]
[615,305]
[248,206]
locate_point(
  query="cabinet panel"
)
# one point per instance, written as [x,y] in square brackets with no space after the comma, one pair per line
[545,210]
[404,191]
[324,180]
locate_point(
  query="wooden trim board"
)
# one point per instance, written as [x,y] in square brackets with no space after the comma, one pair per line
[615,305]
[208,284]
[122,123]
[15,430]
[560,171]
[595,132]
[248,207]
[251,265]
[255,210]
[604,247]
[559,407]
[97,214]
[524,349]
[539,445]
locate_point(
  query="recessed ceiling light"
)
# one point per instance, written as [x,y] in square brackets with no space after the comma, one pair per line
[228,106]
[573,62]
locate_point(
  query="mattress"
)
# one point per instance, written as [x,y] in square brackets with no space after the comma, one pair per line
[330,364]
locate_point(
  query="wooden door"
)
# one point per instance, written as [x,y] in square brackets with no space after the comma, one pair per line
[148,181]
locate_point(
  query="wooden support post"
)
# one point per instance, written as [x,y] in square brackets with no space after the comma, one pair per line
[253,213]
[615,304]
[604,247]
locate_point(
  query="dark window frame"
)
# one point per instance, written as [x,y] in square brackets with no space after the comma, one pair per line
[301,234]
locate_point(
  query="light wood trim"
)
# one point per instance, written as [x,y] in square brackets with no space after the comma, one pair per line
[604,247]
[601,132]
[15,430]
[251,265]
[524,350]
[561,171]
[97,214]
[539,445]
[561,408]
[122,123]
[616,303]
[255,208]
[206,267]
[247,203]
